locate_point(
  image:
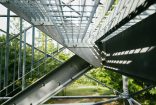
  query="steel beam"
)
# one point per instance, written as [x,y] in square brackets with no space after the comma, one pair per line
[143,65]
[7,51]
[14,36]
[52,54]
[108,101]
[125,85]
[52,83]
[52,31]
[125,93]
[129,17]
[20,51]
[141,91]
[42,52]
[69,2]
[88,54]
[58,51]
[24,63]
[45,50]
[33,43]
[27,43]
[71,8]
[90,18]
[49,55]
[82,97]
[73,104]
[9,16]
[82,15]
[133,102]
[15,65]
[104,85]
[1,51]
[5,98]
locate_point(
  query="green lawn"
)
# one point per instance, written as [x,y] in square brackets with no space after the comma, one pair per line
[82,91]
[85,90]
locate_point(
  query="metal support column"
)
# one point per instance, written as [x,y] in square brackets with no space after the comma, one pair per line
[45,50]
[33,42]
[7,51]
[1,49]
[126,96]
[125,84]
[20,51]
[24,63]
[14,72]
[39,41]
[125,88]
[57,47]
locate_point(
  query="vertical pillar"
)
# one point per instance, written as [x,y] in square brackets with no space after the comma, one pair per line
[39,36]
[7,51]
[45,53]
[57,47]
[14,72]
[128,100]
[1,48]
[125,84]
[33,42]
[24,62]
[20,51]
[125,88]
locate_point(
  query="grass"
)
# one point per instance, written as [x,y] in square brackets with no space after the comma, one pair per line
[85,90]
[82,91]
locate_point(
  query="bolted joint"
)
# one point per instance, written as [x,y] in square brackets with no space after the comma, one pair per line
[125,96]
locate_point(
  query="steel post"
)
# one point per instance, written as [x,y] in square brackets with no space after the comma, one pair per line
[1,51]
[125,89]
[20,51]
[24,63]
[45,50]
[33,42]
[14,71]
[7,51]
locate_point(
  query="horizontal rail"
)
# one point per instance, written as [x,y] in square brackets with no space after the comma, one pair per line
[4,98]
[81,97]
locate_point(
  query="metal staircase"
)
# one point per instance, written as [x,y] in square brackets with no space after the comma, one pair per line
[116,34]
[52,83]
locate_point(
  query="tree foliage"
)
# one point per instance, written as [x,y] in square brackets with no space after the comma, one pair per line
[43,64]
[114,80]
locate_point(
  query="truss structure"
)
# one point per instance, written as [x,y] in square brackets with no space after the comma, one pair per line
[118,35]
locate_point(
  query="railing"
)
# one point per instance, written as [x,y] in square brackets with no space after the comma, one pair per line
[21,63]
